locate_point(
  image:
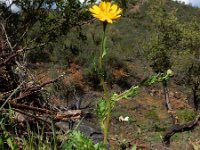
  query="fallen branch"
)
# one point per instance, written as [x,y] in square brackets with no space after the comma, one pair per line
[68,115]
[32,116]
[26,107]
[176,128]
[61,116]
[30,90]
[11,56]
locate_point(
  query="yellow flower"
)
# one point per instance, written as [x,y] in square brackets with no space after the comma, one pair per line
[106,11]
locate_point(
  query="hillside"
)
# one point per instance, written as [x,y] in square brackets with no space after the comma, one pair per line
[127,65]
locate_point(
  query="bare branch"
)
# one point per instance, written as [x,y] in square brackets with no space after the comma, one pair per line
[30,90]
[176,128]
[32,116]
[6,35]
[16,53]
[26,107]
[11,56]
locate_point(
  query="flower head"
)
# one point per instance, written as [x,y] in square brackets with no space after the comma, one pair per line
[170,73]
[106,11]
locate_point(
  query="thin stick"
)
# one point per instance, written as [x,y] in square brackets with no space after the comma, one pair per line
[11,96]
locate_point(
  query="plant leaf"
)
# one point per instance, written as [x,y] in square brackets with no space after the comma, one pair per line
[104,47]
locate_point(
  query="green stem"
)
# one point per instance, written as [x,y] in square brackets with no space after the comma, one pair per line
[106,126]
[101,52]
[100,67]
[103,84]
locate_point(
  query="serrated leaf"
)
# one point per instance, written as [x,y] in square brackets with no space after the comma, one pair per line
[101,109]
[133,91]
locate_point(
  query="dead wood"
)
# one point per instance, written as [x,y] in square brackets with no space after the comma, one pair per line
[38,113]
[66,115]
[176,128]
[26,107]
[10,57]
[30,90]
[60,116]
[31,116]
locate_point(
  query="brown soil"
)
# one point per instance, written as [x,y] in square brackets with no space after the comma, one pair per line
[146,111]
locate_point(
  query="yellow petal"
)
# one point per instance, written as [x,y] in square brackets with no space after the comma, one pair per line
[106,11]
[102,19]
[115,17]
[109,20]
[119,11]
[113,8]
[108,4]
[95,15]
[95,9]
[102,6]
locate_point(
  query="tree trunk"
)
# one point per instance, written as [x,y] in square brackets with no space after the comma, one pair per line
[166,95]
[178,128]
[167,102]
[196,99]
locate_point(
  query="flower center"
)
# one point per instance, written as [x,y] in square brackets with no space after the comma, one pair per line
[106,14]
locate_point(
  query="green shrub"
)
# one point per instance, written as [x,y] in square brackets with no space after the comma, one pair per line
[78,141]
[186,115]
[152,115]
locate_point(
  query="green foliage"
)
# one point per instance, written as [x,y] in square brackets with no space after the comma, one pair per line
[152,115]
[7,139]
[78,141]
[102,111]
[153,123]
[165,36]
[34,139]
[102,105]
[158,78]
[133,91]
[187,65]
[91,74]
[186,115]
[43,29]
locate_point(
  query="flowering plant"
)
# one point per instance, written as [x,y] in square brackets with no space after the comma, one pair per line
[106,11]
